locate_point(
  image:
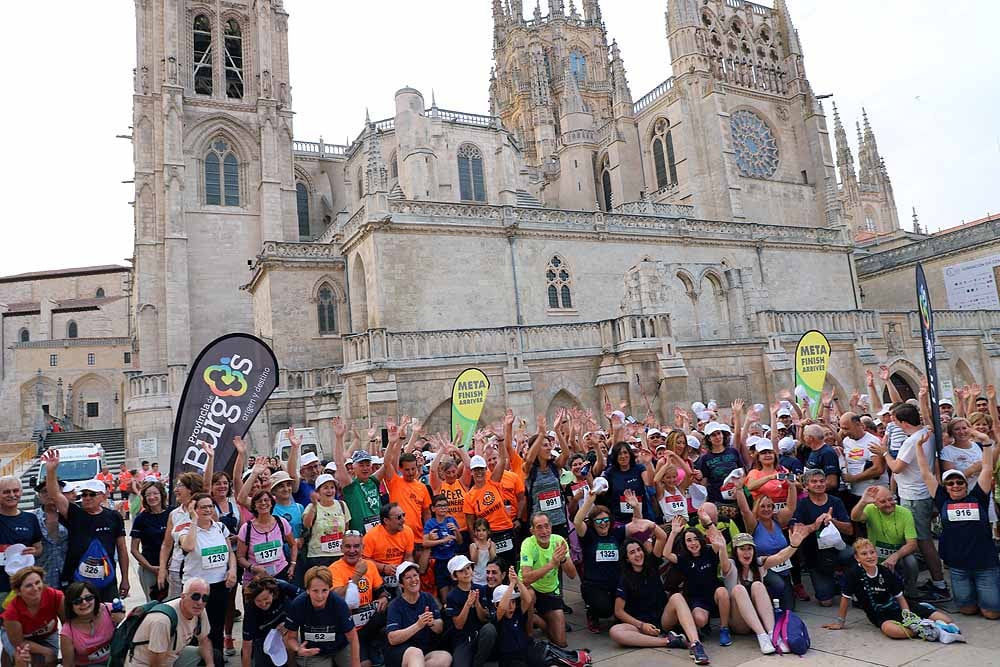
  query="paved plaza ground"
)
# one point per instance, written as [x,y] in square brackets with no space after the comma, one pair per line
[859,645]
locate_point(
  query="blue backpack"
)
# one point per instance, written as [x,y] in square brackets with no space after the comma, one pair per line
[791,630]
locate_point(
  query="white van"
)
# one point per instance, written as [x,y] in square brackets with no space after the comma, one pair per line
[309,444]
[76,463]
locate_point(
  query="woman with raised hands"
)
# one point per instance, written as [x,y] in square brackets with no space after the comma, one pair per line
[766,525]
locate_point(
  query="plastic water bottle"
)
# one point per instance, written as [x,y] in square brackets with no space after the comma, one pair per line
[117,605]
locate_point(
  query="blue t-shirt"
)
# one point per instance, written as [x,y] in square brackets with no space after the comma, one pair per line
[791,463]
[293,515]
[401,614]
[602,557]
[304,495]
[258,622]
[966,542]
[453,606]
[701,574]
[806,512]
[644,600]
[21,529]
[620,481]
[824,459]
[324,628]
[150,529]
[715,467]
[512,636]
[447,527]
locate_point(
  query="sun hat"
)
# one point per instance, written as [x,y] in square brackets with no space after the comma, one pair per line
[308,459]
[458,563]
[323,479]
[743,540]
[693,442]
[279,477]
[477,462]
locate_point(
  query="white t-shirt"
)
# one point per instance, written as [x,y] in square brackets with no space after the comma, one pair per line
[909,483]
[210,558]
[962,458]
[857,454]
[155,629]
[896,437]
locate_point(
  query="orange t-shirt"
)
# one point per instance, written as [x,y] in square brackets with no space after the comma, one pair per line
[370,582]
[125,481]
[413,499]
[455,493]
[512,485]
[488,502]
[382,546]
[108,479]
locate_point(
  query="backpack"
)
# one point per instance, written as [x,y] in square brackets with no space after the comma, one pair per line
[123,640]
[791,630]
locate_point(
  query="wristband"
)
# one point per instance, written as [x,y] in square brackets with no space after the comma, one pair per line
[842,620]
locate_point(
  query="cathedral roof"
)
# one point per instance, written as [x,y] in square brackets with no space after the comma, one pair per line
[65,273]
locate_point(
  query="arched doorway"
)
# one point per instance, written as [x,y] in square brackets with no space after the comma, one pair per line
[906,392]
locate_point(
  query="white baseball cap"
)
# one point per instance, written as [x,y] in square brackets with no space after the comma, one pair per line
[323,479]
[274,647]
[307,459]
[331,466]
[458,563]
[786,444]
[784,412]
[477,462]
[403,567]
[764,445]
[499,591]
[693,442]
[95,485]
[716,426]
[16,560]
[653,431]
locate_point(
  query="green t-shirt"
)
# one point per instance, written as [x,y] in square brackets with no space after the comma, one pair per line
[364,502]
[535,557]
[889,533]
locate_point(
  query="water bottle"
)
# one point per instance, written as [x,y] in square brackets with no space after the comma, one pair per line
[117,605]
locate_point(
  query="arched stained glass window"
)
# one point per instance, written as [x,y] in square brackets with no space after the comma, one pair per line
[234,59]
[558,282]
[606,196]
[222,175]
[71,330]
[302,208]
[100,293]
[326,310]
[202,55]
[578,65]
[663,154]
[23,336]
[471,182]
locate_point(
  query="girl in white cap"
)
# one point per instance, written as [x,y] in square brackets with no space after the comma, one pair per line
[326,518]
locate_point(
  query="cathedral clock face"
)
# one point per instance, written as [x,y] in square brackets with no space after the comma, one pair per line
[756,149]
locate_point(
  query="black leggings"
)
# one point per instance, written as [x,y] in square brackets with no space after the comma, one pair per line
[477,650]
[600,601]
[218,602]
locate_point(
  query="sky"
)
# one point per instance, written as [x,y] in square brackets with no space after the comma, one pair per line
[930,93]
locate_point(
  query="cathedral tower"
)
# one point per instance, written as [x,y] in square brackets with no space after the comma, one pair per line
[212,131]
[866,196]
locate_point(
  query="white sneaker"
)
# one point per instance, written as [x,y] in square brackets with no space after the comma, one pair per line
[766,647]
[783,646]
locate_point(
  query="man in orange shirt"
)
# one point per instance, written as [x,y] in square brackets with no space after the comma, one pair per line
[389,543]
[369,616]
[124,483]
[108,478]
[410,493]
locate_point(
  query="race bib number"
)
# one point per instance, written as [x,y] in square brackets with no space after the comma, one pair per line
[90,570]
[267,552]
[550,500]
[625,507]
[319,636]
[607,553]
[676,505]
[100,654]
[371,522]
[389,580]
[330,544]
[780,506]
[505,545]
[213,557]
[885,550]
[3,554]
[782,567]
[362,614]
[962,511]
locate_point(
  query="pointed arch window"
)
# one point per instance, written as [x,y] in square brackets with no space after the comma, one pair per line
[326,310]
[471,182]
[606,196]
[71,330]
[222,175]
[558,284]
[578,65]
[663,154]
[99,293]
[202,56]
[24,336]
[302,208]
[234,59]
[393,167]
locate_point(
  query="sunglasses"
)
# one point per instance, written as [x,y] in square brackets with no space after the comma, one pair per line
[602,521]
[352,533]
[198,597]
[955,482]
[83,599]
[401,515]
[88,494]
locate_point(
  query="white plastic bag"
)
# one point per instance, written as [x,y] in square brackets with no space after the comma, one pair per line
[829,538]
[352,596]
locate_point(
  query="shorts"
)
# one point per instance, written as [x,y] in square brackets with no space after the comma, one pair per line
[922,511]
[125,494]
[52,641]
[979,588]
[546,602]
[921,609]
[707,605]
[442,577]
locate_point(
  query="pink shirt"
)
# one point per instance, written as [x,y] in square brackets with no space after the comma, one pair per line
[92,649]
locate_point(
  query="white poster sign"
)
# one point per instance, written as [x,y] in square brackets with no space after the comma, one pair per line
[973,285]
[146,448]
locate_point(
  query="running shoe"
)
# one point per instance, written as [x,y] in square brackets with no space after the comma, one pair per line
[766,647]
[697,652]
[800,593]
[935,595]
[676,640]
[593,625]
[230,646]
[725,638]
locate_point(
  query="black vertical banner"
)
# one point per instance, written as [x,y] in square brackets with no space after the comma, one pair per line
[226,387]
[930,351]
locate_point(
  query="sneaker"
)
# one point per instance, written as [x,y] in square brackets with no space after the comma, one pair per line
[800,593]
[676,640]
[766,647]
[910,621]
[935,595]
[567,609]
[697,653]
[237,615]
[782,646]
[230,646]
[725,639]
[593,625]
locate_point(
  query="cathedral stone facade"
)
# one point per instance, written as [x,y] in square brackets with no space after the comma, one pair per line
[575,242]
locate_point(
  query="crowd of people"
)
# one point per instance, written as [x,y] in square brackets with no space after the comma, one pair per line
[408,549]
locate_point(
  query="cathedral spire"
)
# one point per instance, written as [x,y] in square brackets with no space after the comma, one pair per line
[786,27]
[572,100]
[592,10]
[916,222]
[556,8]
[845,161]
[538,10]
[516,11]
[376,173]
[621,95]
